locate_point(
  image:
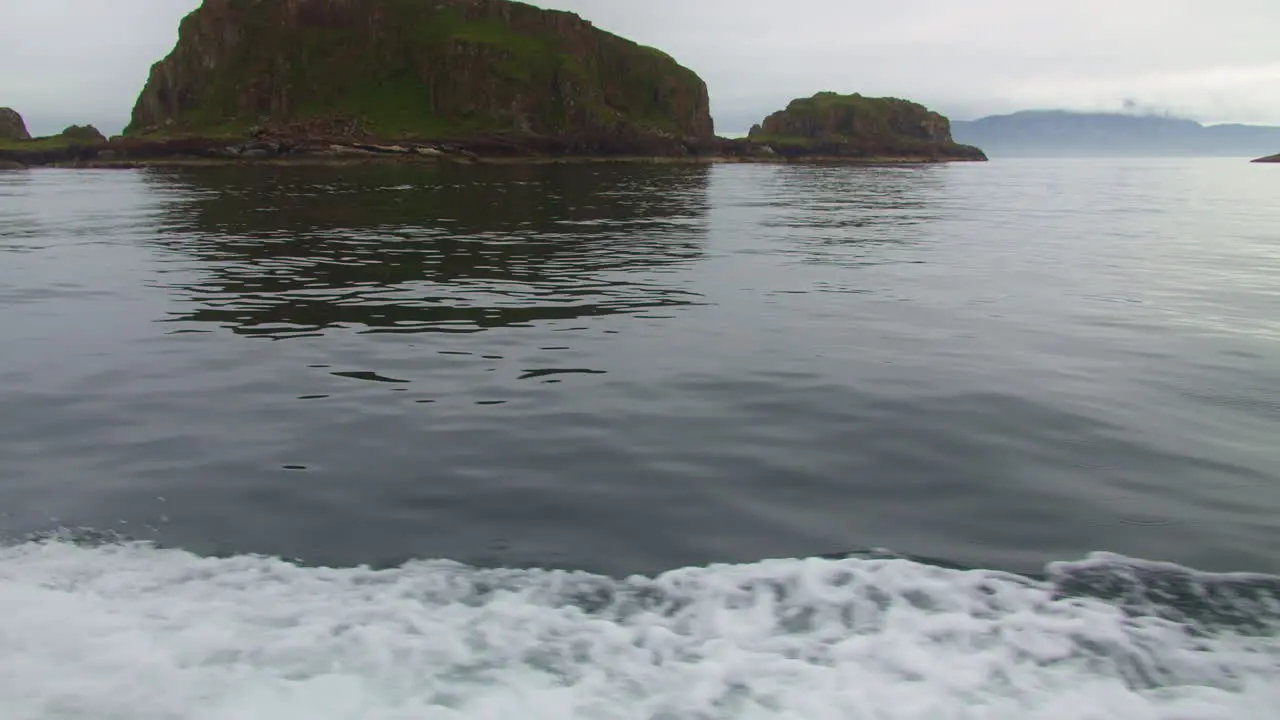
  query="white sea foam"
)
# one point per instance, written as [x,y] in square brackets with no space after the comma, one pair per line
[133,632]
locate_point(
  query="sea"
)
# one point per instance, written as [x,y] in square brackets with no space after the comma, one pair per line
[994,441]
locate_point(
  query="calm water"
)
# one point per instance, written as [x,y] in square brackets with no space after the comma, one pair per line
[462,404]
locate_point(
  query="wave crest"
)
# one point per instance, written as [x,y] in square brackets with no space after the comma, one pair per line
[131,631]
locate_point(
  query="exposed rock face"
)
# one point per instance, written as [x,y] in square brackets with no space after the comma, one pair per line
[1269,159]
[829,124]
[11,125]
[84,133]
[414,68]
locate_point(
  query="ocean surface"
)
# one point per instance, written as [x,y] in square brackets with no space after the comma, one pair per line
[625,442]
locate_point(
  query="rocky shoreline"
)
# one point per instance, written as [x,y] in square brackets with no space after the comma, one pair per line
[264,149]
[462,81]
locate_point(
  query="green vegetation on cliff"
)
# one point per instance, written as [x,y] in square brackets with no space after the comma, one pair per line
[412,68]
[830,124]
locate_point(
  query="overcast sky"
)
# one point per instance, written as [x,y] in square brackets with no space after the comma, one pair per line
[76,61]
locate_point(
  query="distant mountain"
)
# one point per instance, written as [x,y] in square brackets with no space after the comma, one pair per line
[1051,133]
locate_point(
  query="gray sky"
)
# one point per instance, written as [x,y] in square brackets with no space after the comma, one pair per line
[76,61]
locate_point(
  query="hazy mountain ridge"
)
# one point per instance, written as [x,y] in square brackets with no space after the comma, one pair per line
[1066,133]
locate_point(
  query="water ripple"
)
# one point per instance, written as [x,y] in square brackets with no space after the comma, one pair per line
[633,368]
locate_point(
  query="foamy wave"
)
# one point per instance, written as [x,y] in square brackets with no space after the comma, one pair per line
[133,632]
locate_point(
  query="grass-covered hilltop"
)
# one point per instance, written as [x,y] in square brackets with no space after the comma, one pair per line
[417,69]
[830,125]
[462,80]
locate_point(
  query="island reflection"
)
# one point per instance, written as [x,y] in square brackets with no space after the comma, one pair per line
[300,251]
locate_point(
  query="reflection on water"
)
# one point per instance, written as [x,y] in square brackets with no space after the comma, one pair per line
[292,252]
[829,215]
[632,368]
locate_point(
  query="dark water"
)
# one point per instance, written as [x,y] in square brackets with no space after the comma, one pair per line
[630,369]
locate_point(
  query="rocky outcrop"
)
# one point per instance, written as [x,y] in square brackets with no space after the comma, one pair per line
[265,147]
[11,125]
[1269,159]
[415,69]
[83,133]
[829,125]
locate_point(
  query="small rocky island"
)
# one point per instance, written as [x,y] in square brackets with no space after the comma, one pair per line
[1269,159]
[834,126]
[462,80]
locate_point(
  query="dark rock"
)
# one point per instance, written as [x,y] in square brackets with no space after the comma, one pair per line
[36,153]
[170,148]
[829,125]
[1269,159]
[12,126]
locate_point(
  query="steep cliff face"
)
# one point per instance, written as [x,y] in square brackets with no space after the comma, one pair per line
[414,68]
[11,125]
[836,125]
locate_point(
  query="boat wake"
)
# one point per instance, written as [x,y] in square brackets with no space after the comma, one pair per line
[120,630]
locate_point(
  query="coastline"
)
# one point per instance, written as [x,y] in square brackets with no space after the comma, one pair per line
[575,160]
[127,154]
[627,103]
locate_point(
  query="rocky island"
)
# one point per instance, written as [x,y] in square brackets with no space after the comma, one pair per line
[463,80]
[840,127]
[1269,159]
